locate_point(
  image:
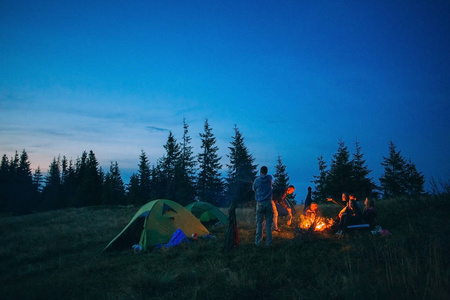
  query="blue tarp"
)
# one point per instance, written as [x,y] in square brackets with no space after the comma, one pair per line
[178,237]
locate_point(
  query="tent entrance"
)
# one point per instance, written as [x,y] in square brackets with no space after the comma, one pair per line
[131,236]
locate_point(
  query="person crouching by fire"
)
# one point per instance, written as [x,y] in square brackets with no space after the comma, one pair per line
[279,197]
[350,215]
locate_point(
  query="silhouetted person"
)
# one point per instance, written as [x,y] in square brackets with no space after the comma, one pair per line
[263,195]
[308,201]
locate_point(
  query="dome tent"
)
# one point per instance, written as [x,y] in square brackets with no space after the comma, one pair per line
[206,212]
[155,223]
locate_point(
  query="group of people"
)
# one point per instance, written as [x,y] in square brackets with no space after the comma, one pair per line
[352,214]
[266,210]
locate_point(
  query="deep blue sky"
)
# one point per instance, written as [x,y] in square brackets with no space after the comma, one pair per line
[294,76]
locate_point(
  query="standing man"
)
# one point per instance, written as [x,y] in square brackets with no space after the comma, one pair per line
[263,195]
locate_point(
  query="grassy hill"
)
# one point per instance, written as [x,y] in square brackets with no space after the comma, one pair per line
[58,255]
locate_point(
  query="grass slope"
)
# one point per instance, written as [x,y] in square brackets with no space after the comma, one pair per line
[58,255]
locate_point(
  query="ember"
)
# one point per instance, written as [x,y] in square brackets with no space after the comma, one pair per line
[319,223]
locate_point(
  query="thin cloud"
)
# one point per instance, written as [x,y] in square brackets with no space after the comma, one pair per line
[51,132]
[156,129]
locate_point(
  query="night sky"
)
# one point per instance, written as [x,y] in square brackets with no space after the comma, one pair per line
[294,76]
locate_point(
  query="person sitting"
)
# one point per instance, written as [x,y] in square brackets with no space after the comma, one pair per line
[369,213]
[350,215]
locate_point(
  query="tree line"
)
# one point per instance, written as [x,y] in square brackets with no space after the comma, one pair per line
[351,174]
[184,177]
[179,175]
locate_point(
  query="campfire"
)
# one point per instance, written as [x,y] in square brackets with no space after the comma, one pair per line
[315,223]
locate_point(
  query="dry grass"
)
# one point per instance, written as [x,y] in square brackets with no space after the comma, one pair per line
[57,255]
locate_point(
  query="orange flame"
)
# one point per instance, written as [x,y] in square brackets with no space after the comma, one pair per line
[320,223]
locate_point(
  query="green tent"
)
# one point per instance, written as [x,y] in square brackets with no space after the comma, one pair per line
[206,212]
[154,223]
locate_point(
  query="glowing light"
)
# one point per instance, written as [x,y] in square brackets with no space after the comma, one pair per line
[319,223]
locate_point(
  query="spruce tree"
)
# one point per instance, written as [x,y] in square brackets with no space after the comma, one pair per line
[89,180]
[392,182]
[169,164]
[363,186]
[113,191]
[158,181]
[133,190]
[24,193]
[415,180]
[94,180]
[241,171]
[340,174]
[38,185]
[51,193]
[38,179]
[144,179]
[210,187]
[13,187]
[80,174]
[321,190]
[5,186]
[281,178]
[185,170]
[68,181]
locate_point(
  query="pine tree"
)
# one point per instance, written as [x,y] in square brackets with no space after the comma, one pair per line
[169,164]
[363,186]
[14,164]
[210,187]
[158,181]
[281,178]
[13,188]
[51,193]
[185,170]
[113,191]
[69,182]
[144,179]
[340,174]
[321,190]
[25,193]
[5,184]
[241,171]
[38,185]
[133,190]
[88,180]
[95,180]
[80,174]
[414,180]
[393,180]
